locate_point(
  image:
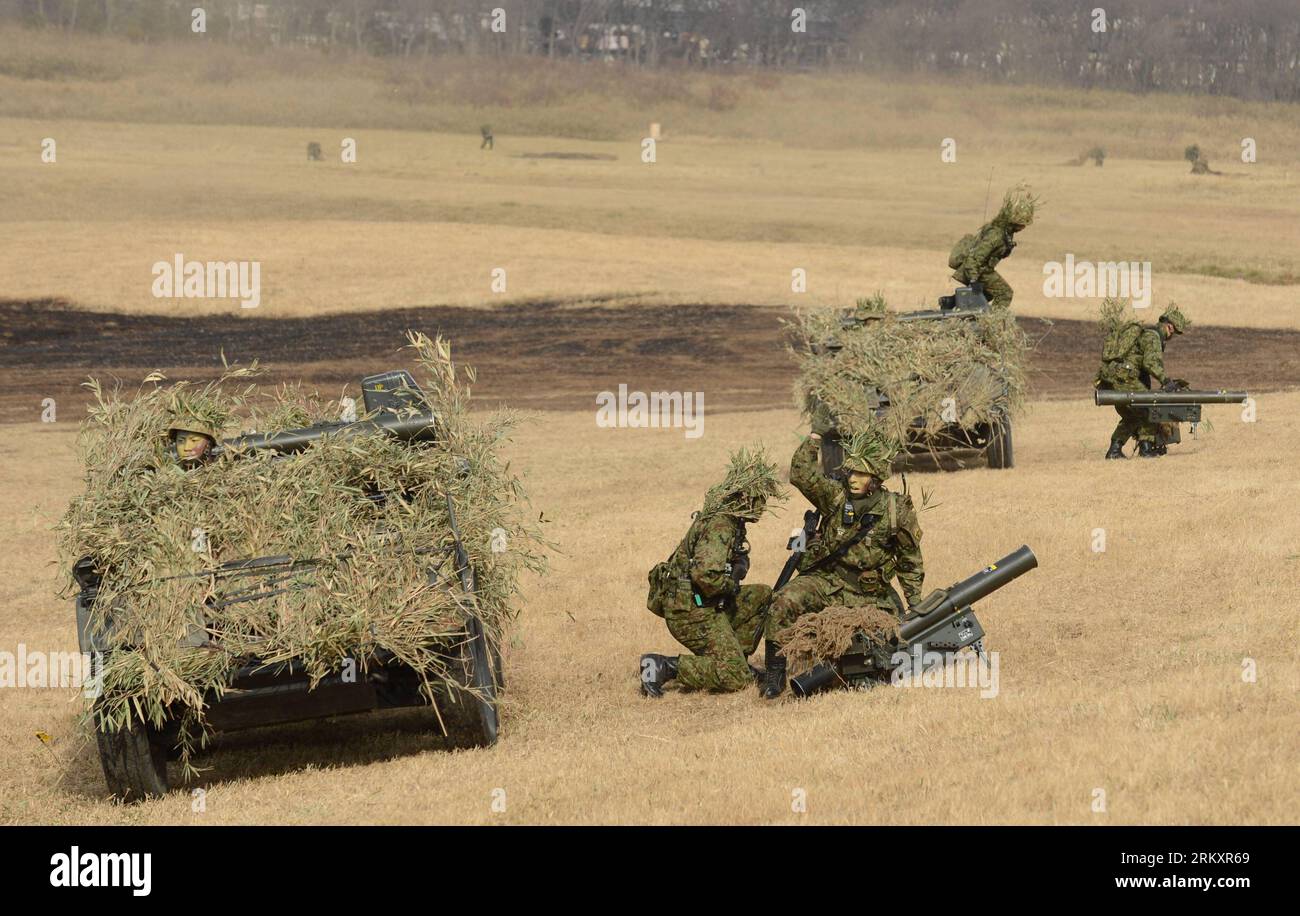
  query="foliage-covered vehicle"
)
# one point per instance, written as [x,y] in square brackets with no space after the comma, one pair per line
[309,570]
[943,383]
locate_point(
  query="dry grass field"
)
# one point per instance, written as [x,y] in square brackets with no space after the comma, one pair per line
[1119,671]
[425,219]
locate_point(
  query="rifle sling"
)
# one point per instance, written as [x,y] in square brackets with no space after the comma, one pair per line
[862,532]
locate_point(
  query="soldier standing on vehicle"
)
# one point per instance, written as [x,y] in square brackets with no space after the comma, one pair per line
[697,590]
[867,536]
[974,257]
[1131,359]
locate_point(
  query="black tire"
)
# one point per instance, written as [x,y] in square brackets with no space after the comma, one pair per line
[1000,453]
[470,711]
[134,761]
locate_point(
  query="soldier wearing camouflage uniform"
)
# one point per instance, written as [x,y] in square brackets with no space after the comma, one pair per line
[974,257]
[866,537]
[697,590]
[1132,358]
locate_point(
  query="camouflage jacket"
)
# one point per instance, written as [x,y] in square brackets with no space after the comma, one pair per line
[1143,362]
[992,243]
[709,562]
[891,550]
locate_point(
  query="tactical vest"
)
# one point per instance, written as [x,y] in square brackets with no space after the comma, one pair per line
[823,554]
[670,581]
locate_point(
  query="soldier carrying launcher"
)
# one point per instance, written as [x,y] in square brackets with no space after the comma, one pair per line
[1131,359]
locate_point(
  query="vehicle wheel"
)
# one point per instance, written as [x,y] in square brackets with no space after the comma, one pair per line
[470,713]
[134,760]
[1000,454]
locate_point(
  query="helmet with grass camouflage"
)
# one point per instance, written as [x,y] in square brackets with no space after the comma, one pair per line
[750,482]
[868,452]
[1175,317]
[1018,206]
[190,423]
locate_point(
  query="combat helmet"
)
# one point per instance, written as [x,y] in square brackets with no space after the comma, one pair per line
[1018,206]
[187,422]
[1174,316]
[750,482]
[869,452]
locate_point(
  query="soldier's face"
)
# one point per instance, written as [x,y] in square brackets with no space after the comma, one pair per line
[1168,330]
[192,446]
[861,483]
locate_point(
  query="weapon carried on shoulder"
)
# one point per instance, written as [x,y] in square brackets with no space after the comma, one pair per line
[1173,404]
[394,404]
[944,622]
[798,546]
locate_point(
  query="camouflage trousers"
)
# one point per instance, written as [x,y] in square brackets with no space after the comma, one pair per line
[719,639]
[997,290]
[1133,425]
[816,591]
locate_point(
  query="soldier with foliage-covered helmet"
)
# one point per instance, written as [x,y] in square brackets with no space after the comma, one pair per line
[698,590]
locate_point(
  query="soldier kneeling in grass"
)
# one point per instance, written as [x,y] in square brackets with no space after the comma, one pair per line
[697,590]
[867,536]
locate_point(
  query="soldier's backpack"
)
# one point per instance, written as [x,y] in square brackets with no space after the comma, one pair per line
[957,256]
[670,581]
[1121,340]
[1115,352]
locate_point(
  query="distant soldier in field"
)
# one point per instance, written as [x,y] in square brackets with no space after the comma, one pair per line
[974,257]
[1131,359]
[697,590]
[488,142]
[313,152]
[867,537]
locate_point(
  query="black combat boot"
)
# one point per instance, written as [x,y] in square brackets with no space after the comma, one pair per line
[1116,449]
[1147,449]
[656,670]
[774,676]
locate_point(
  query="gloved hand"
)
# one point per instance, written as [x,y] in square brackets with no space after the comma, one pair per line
[822,421]
[739,567]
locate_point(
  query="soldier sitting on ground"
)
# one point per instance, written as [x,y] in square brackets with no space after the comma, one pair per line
[1131,358]
[867,536]
[697,590]
[974,257]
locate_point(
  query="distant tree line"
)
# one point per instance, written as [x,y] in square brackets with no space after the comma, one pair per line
[1245,48]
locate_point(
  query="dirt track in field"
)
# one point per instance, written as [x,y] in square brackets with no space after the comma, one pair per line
[548,356]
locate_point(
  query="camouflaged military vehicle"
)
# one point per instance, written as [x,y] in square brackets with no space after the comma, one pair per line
[262,692]
[954,413]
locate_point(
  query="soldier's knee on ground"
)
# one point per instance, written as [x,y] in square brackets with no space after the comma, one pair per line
[734,674]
